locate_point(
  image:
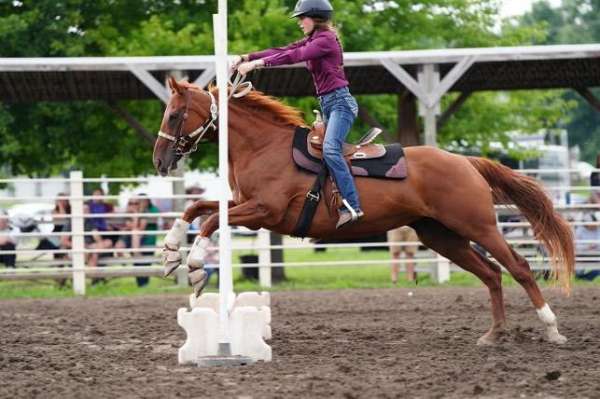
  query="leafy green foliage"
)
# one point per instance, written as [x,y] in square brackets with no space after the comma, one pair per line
[48,138]
[479,124]
[574,22]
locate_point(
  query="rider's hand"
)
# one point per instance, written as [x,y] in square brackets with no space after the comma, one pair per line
[237,60]
[246,67]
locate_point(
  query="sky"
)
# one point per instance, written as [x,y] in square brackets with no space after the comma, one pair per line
[511,8]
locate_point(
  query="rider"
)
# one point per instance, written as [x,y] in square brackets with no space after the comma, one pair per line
[323,53]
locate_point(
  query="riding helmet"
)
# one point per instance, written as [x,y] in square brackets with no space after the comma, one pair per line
[313,9]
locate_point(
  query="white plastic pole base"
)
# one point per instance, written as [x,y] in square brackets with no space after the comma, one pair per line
[249,322]
[224,358]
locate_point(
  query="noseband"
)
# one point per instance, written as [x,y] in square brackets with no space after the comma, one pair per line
[182,141]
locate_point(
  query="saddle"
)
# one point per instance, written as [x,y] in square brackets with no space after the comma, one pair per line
[365,149]
[365,158]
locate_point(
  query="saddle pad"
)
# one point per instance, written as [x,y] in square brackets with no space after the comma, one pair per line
[390,166]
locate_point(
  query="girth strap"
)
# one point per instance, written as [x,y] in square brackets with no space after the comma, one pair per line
[310,204]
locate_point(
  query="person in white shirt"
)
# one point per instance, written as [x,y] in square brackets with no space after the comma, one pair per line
[8,240]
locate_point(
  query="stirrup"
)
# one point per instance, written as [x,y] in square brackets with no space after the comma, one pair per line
[353,212]
[345,220]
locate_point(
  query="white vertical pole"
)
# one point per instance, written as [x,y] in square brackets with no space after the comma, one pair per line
[77,229]
[225,274]
[442,270]
[264,258]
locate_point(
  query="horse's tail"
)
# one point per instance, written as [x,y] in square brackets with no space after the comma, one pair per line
[510,187]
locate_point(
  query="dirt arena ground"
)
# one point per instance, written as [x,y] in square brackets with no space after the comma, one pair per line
[350,344]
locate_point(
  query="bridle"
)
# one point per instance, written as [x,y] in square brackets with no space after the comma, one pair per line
[182,141]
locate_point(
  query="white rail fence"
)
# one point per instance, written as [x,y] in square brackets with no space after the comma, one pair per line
[71,262]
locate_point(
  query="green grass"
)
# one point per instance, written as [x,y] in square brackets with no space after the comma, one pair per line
[298,278]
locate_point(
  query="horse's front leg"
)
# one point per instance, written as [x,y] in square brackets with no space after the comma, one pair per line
[249,214]
[201,208]
[171,257]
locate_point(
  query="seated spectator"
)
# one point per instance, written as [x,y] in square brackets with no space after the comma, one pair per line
[148,240]
[99,206]
[94,241]
[589,232]
[400,235]
[8,240]
[62,224]
[131,227]
[135,225]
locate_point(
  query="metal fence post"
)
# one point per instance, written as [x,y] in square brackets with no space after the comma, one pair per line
[77,230]
[264,258]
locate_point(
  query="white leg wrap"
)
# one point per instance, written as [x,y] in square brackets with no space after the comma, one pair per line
[549,319]
[546,315]
[171,257]
[195,259]
[176,235]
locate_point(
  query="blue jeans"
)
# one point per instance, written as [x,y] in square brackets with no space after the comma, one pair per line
[339,111]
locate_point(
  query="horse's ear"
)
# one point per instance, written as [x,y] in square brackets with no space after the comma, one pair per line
[175,88]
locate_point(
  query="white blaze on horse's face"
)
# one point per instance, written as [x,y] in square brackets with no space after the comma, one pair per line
[164,156]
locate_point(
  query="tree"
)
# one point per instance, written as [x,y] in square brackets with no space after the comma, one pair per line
[46,138]
[575,21]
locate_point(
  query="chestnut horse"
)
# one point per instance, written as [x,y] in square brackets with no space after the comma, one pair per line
[447,198]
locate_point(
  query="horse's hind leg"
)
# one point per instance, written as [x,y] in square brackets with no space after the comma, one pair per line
[519,268]
[458,249]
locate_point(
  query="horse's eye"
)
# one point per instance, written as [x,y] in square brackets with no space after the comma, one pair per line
[172,117]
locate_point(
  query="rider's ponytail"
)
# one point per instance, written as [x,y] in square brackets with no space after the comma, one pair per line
[323,24]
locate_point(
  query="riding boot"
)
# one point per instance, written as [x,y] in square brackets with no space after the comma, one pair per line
[348,215]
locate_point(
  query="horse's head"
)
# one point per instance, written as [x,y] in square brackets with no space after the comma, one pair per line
[190,114]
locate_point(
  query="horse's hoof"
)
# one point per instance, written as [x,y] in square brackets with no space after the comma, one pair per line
[170,269]
[198,278]
[491,337]
[171,259]
[557,338]
[486,341]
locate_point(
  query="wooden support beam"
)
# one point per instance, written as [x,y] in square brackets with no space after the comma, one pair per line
[204,79]
[408,124]
[364,116]
[132,121]
[406,79]
[453,108]
[151,83]
[589,96]
[450,79]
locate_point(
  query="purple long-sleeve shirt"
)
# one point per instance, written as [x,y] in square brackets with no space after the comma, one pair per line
[322,53]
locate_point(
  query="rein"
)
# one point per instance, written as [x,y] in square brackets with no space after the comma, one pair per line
[182,141]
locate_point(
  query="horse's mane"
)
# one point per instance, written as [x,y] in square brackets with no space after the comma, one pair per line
[257,100]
